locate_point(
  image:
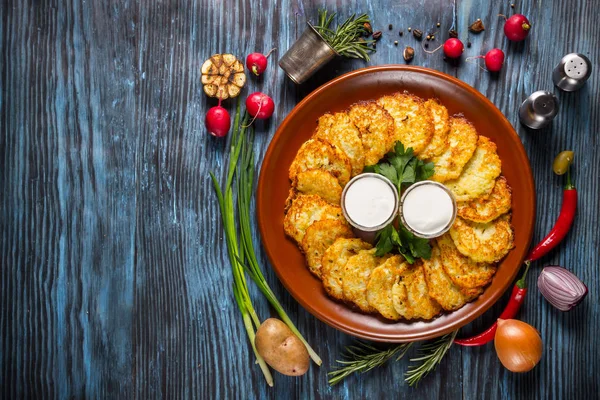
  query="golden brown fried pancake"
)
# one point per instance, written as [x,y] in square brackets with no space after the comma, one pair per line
[463,271]
[319,182]
[488,209]
[376,129]
[319,154]
[412,120]
[479,174]
[357,272]
[441,124]
[440,286]
[339,130]
[333,262]
[319,236]
[306,209]
[379,288]
[462,141]
[488,242]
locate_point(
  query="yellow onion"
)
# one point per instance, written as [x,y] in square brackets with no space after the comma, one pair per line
[518,345]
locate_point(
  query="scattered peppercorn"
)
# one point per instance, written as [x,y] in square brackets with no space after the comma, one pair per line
[395,42]
[432,37]
[409,28]
[368,28]
[390,27]
[374,45]
[418,33]
[428,37]
[438,24]
[469,44]
[401,33]
[426,45]
[408,53]
[512,5]
[476,26]
[452,33]
[377,35]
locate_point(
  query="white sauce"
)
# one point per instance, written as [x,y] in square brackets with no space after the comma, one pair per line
[369,202]
[427,209]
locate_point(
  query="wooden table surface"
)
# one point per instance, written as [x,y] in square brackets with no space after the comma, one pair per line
[115,281]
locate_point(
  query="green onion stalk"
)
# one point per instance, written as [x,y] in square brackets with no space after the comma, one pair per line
[241,251]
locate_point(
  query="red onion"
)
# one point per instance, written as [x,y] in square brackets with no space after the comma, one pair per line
[561,288]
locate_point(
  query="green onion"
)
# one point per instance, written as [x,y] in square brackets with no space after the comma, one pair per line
[241,251]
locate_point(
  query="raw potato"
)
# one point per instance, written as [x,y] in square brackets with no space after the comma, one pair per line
[281,349]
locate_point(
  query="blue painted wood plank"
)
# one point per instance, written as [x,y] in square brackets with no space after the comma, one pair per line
[115,281]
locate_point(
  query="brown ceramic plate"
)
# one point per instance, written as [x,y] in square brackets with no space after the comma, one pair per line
[371,83]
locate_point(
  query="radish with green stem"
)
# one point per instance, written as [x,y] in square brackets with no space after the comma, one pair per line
[517,27]
[257,62]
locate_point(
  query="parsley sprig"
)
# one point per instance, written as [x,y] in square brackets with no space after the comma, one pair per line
[403,168]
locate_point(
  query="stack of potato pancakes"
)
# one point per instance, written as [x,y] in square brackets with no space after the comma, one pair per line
[463,261]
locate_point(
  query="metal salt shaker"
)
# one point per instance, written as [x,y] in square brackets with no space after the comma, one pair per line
[539,109]
[572,72]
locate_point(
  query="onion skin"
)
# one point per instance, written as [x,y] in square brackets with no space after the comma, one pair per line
[518,345]
[561,288]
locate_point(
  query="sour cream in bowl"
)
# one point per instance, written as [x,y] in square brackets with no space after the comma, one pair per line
[428,209]
[370,202]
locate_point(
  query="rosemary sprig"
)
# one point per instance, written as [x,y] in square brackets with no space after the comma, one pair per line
[363,357]
[346,39]
[431,355]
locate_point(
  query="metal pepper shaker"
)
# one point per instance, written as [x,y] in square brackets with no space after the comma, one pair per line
[571,72]
[539,109]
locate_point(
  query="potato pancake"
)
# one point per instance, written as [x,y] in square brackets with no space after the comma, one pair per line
[413,121]
[376,129]
[339,130]
[488,209]
[357,272]
[488,242]
[440,286]
[319,236]
[319,154]
[463,271]
[479,174]
[422,305]
[441,127]
[333,262]
[319,182]
[306,209]
[381,282]
[462,142]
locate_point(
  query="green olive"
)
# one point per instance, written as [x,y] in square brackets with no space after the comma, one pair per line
[562,162]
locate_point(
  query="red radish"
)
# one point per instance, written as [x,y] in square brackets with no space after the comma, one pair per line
[259,105]
[494,59]
[453,48]
[257,62]
[516,27]
[218,121]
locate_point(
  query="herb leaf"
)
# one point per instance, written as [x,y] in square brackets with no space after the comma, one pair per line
[403,169]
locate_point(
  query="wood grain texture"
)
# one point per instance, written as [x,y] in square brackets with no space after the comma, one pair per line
[114,278]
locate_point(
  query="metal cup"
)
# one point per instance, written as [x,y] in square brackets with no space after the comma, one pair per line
[307,55]
[572,72]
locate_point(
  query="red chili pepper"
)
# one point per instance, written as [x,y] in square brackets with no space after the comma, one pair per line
[562,225]
[514,304]
[517,297]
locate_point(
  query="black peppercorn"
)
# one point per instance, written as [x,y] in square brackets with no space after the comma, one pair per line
[401,33]
[377,35]
[390,27]
[469,44]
